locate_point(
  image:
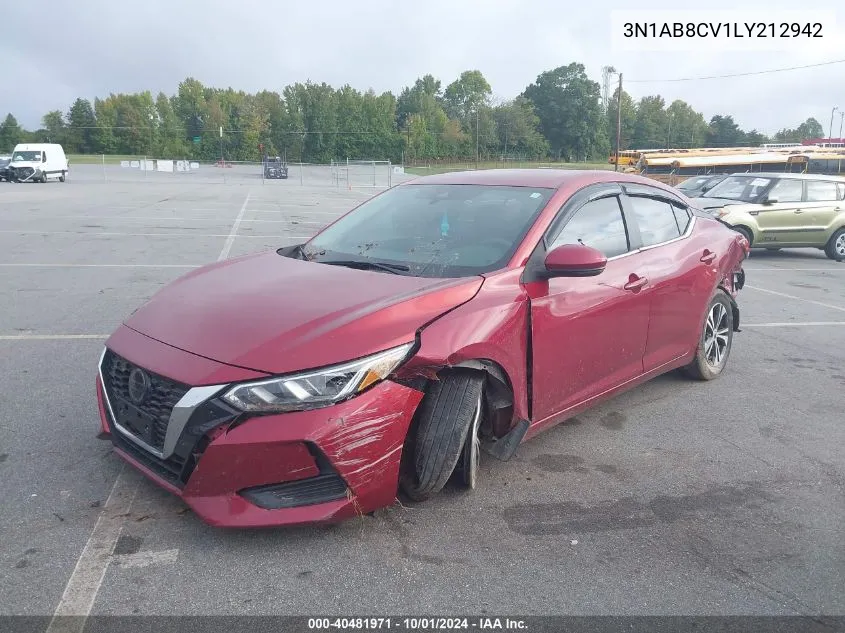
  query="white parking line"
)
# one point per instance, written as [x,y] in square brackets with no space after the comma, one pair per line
[789,270]
[145,559]
[793,324]
[786,296]
[231,239]
[84,583]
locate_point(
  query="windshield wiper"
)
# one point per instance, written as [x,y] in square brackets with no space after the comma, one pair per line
[396,269]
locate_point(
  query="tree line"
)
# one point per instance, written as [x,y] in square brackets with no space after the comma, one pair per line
[559,116]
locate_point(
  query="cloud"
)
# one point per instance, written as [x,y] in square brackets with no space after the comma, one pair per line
[103,46]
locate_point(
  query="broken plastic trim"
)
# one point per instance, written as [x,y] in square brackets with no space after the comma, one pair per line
[505,447]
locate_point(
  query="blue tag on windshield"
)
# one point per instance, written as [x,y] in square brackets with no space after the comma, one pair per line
[444,226]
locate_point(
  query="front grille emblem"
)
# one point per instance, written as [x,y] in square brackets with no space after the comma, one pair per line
[139,385]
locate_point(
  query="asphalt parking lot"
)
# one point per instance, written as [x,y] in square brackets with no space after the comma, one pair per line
[675,498]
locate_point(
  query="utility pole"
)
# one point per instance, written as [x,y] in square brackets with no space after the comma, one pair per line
[841,118]
[618,123]
[476,136]
[830,130]
[669,132]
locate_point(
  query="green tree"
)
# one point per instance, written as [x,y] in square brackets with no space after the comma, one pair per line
[518,128]
[104,139]
[467,94]
[628,120]
[755,138]
[724,132]
[810,128]
[651,131]
[170,137]
[411,98]
[568,105]
[54,127]
[80,133]
[191,108]
[10,133]
[685,126]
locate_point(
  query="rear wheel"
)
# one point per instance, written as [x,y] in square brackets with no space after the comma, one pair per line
[714,344]
[63,176]
[436,441]
[835,248]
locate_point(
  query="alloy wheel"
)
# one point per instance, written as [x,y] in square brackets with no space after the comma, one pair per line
[839,246]
[716,336]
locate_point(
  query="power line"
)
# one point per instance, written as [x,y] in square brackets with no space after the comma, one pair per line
[758,72]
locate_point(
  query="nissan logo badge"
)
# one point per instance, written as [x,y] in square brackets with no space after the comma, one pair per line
[139,383]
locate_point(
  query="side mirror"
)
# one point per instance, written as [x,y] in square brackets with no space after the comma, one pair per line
[574,260]
[768,200]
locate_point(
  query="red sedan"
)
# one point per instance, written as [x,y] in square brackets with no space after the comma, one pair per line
[447,316]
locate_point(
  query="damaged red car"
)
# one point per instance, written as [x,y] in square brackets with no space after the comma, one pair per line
[448,317]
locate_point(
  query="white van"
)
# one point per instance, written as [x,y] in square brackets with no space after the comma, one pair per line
[38,162]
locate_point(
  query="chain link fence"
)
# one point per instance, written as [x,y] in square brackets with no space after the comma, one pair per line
[347,174]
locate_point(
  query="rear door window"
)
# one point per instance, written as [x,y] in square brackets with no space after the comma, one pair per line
[656,219]
[821,190]
[787,190]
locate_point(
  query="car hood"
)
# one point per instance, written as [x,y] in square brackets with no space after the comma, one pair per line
[717,203]
[17,164]
[274,314]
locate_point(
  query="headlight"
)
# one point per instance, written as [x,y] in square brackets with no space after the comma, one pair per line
[318,388]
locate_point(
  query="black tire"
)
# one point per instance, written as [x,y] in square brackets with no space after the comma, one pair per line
[835,248]
[63,176]
[746,233]
[436,438]
[706,365]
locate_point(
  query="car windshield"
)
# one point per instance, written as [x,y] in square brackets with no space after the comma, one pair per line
[28,156]
[433,230]
[741,188]
[693,183]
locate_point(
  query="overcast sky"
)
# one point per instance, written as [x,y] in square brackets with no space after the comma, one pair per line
[52,53]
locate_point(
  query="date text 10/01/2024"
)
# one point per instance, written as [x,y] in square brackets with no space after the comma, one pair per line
[416,624]
[734,30]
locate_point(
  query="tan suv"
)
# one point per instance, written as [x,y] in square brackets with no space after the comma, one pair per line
[782,210]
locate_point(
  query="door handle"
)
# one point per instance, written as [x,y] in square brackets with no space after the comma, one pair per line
[635,283]
[798,211]
[708,257]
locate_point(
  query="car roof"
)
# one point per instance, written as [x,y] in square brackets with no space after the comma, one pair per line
[780,174]
[535,177]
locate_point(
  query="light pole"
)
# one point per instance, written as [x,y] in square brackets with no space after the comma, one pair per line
[830,130]
[841,118]
[618,123]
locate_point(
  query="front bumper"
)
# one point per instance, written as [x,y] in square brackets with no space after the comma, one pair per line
[233,470]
